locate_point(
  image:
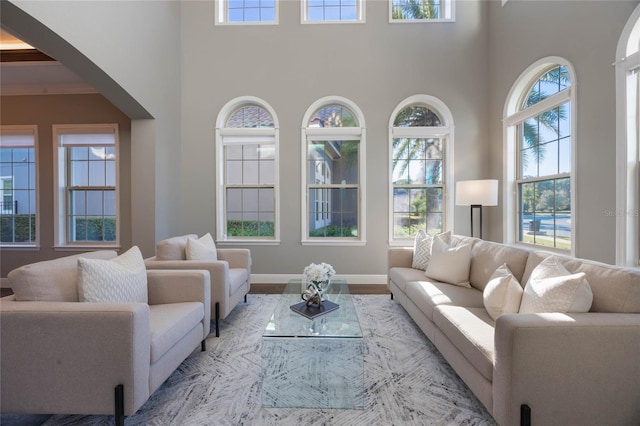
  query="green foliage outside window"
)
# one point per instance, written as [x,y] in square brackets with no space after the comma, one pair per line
[94,229]
[250,228]
[18,228]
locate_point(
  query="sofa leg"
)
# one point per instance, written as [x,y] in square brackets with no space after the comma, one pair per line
[245,298]
[525,415]
[119,401]
[391,296]
[217,319]
[203,345]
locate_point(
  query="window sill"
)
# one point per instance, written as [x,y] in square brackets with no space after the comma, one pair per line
[19,247]
[248,243]
[88,247]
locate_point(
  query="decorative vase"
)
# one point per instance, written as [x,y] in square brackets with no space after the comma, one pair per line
[313,295]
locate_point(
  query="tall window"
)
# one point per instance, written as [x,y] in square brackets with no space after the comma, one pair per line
[86,202]
[247,156]
[333,208]
[18,183]
[627,212]
[420,133]
[317,11]
[421,10]
[540,137]
[246,12]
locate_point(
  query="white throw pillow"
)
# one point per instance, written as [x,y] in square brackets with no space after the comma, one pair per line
[120,280]
[551,288]
[449,264]
[201,249]
[502,294]
[422,248]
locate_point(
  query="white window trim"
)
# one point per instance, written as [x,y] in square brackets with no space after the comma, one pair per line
[360,5]
[446,133]
[331,133]
[59,186]
[627,155]
[451,10]
[221,131]
[31,130]
[512,117]
[221,15]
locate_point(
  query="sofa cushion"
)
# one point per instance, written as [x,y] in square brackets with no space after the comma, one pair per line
[426,295]
[119,280]
[422,248]
[471,330]
[237,277]
[615,289]
[449,264]
[503,293]
[401,276]
[173,248]
[171,322]
[201,249]
[51,280]
[551,288]
[487,256]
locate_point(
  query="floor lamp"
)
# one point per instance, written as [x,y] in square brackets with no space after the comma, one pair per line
[477,193]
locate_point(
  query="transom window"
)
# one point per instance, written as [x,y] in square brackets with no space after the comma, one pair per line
[316,11]
[419,135]
[86,202]
[248,177]
[18,183]
[333,173]
[247,12]
[540,129]
[421,10]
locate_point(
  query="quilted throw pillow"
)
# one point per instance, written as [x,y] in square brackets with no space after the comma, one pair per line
[551,288]
[503,293]
[422,248]
[201,249]
[120,280]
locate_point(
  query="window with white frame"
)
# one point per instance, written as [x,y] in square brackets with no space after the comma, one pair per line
[627,211]
[333,207]
[247,154]
[420,132]
[539,131]
[421,10]
[86,172]
[18,186]
[318,11]
[247,12]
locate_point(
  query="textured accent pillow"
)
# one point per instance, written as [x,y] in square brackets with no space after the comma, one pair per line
[449,264]
[119,280]
[422,248]
[502,294]
[551,288]
[201,249]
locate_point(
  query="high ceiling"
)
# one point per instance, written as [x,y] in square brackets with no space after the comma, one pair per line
[27,71]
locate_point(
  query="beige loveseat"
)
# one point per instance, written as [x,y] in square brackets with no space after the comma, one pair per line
[230,273]
[544,368]
[62,356]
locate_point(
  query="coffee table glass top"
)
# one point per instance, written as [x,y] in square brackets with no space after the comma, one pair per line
[341,323]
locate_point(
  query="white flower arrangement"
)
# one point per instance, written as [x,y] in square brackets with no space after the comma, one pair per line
[318,273]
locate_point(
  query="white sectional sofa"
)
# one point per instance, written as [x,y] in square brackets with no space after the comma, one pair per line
[532,368]
[59,355]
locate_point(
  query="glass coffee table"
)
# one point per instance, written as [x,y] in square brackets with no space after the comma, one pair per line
[315,363]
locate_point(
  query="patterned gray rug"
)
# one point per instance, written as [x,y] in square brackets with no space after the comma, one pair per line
[407,382]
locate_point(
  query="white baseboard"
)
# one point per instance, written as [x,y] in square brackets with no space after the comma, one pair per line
[284,278]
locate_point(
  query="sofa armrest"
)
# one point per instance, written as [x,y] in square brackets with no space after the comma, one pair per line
[237,258]
[175,286]
[218,273]
[67,357]
[400,257]
[568,368]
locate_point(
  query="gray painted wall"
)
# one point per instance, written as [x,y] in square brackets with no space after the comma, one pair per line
[585,33]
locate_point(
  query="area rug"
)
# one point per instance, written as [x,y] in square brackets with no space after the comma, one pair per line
[407,381]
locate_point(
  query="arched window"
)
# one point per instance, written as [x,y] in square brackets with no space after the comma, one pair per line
[420,138]
[247,172]
[628,144]
[333,172]
[539,124]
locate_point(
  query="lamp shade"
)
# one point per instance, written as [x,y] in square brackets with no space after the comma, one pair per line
[477,192]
